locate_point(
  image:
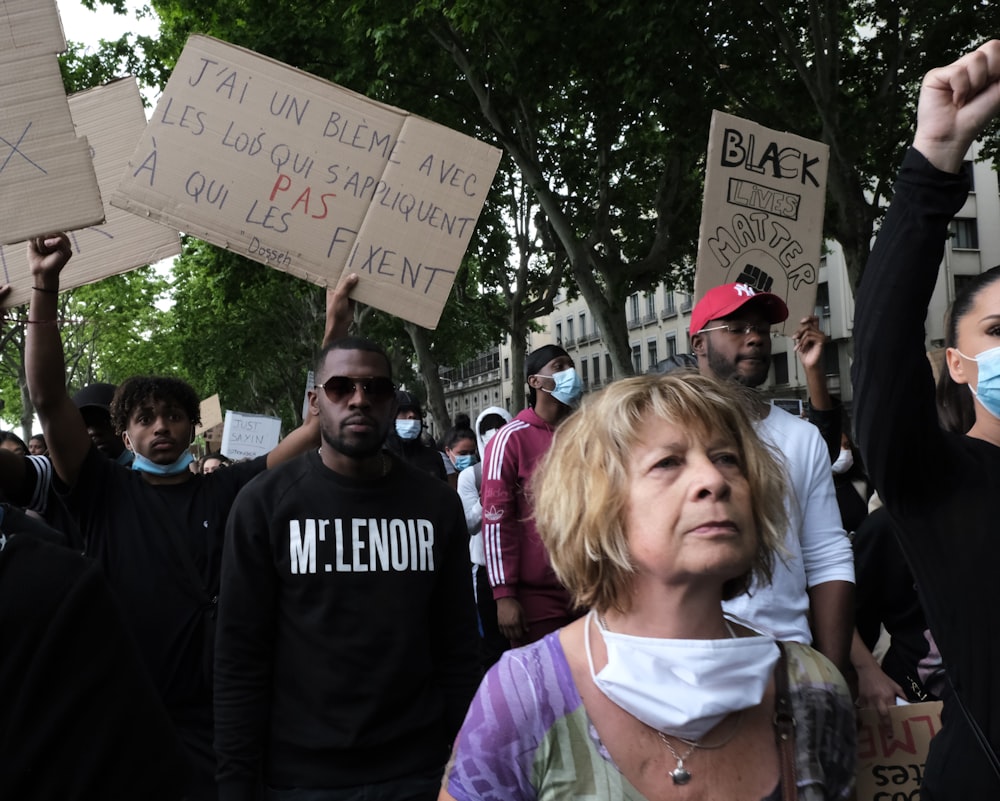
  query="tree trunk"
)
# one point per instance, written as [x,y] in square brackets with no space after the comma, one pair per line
[518,399]
[430,373]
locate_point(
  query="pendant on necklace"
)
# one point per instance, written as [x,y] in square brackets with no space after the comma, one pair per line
[680,774]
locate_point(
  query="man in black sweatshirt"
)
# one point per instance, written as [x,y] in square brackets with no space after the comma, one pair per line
[346,643]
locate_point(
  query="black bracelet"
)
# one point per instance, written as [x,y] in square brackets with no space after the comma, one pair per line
[48,291]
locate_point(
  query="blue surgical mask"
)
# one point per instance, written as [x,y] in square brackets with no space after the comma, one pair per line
[987,390]
[144,465]
[464,460]
[569,387]
[408,429]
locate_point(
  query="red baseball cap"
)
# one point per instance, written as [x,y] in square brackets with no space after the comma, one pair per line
[725,299]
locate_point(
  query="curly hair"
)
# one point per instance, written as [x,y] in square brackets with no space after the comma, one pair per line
[580,487]
[138,389]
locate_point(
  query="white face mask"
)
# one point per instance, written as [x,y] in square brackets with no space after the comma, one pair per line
[682,687]
[844,462]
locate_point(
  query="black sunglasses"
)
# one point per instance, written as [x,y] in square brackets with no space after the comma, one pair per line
[376,388]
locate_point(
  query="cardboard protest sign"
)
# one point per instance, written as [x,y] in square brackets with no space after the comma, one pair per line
[47,180]
[310,178]
[246,436]
[211,414]
[112,119]
[762,216]
[891,762]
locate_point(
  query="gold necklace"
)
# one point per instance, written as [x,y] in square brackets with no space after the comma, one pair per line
[682,775]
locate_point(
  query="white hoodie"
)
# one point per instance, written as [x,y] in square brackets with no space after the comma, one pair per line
[468,490]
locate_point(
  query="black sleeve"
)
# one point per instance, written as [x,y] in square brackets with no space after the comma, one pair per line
[872,541]
[895,411]
[455,635]
[828,421]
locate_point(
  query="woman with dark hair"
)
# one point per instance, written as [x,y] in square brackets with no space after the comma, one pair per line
[940,487]
[12,442]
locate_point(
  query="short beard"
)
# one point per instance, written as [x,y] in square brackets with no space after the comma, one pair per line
[725,370]
[353,450]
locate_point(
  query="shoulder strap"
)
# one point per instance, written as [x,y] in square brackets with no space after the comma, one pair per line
[784,728]
[984,743]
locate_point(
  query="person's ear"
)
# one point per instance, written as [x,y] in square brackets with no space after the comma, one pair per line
[956,366]
[313,396]
[127,441]
[698,344]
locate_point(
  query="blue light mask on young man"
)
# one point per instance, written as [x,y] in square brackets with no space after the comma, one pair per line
[144,465]
[408,429]
[569,387]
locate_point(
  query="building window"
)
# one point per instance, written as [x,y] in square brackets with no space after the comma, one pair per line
[671,345]
[823,300]
[584,373]
[651,350]
[637,358]
[569,331]
[669,303]
[609,367]
[964,234]
[831,360]
[583,325]
[780,362]
[506,368]
[970,174]
[559,334]
[633,309]
[650,307]
[687,302]
[597,370]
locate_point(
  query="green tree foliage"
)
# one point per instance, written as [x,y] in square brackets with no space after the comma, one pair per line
[843,73]
[110,330]
[593,107]
[245,331]
[602,109]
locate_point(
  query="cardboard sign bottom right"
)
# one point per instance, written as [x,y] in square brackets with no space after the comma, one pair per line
[891,763]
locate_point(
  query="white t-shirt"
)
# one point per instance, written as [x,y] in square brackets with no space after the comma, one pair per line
[817,545]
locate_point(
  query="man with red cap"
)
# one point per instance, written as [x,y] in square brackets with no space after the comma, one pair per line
[814,582]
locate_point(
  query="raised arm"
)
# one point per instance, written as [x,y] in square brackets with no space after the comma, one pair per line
[339,308]
[45,366]
[823,410]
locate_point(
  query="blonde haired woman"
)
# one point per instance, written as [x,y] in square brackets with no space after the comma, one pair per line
[657,501]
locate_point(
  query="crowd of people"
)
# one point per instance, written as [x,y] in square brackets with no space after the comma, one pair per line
[646,592]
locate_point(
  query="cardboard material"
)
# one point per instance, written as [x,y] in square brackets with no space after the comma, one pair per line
[112,119]
[211,414]
[47,179]
[891,762]
[310,178]
[246,436]
[762,216]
